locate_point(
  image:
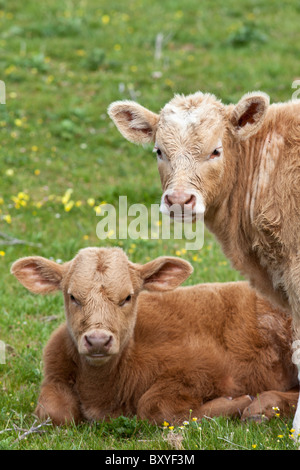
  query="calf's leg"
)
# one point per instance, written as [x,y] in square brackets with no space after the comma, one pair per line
[225,406]
[267,404]
[59,403]
[172,402]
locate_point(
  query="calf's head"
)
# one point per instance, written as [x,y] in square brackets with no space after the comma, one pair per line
[100,288]
[189,137]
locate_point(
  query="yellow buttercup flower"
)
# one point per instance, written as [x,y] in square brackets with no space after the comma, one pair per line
[105,19]
[91,202]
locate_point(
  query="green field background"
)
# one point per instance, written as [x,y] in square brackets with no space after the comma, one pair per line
[62,63]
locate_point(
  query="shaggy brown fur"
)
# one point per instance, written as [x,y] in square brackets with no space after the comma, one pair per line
[133,346]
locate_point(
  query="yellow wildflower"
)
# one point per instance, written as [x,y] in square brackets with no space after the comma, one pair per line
[69,205]
[37,172]
[7,218]
[105,19]
[178,14]
[66,197]
[97,209]
[2,253]
[10,69]
[91,202]
[169,82]
[22,195]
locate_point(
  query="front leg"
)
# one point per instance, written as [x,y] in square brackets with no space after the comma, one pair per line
[58,398]
[167,400]
[58,402]
[175,408]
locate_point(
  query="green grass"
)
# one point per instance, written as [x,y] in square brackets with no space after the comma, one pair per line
[63,63]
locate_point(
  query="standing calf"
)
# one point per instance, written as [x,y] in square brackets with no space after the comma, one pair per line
[239,165]
[132,345]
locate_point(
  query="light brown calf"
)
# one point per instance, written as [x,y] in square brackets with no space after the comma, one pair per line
[132,345]
[239,166]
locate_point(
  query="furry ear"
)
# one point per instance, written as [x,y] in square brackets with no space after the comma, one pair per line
[136,123]
[248,115]
[39,275]
[165,273]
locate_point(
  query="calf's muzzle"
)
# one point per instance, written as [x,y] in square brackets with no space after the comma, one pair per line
[98,343]
[181,198]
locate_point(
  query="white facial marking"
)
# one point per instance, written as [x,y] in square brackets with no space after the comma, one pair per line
[182,117]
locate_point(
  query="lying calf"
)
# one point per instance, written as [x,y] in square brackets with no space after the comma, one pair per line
[133,346]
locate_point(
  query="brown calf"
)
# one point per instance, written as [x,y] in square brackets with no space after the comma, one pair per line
[132,345]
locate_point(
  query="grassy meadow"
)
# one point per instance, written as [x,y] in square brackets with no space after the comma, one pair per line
[63,62]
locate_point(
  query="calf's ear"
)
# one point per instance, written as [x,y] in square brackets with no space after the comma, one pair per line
[39,275]
[165,273]
[249,113]
[136,123]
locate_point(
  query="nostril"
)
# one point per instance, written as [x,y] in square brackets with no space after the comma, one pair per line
[191,200]
[88,342]
[108,343]
[180,198]
[98,342]
[168,200]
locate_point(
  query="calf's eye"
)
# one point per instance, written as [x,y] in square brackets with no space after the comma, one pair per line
[125,301]
[74,300]
[158,152]
[215,153]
